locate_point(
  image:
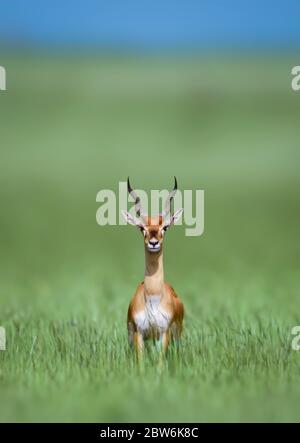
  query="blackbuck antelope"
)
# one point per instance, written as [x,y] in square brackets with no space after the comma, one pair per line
[155,312]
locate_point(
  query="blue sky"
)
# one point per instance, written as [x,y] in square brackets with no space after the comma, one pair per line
[151,24]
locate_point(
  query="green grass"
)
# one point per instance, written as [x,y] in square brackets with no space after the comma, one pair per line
[72,127]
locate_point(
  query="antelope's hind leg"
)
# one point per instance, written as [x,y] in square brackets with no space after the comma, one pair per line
[130,329]
[176,331]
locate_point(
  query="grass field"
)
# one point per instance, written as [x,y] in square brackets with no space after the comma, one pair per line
[70,127]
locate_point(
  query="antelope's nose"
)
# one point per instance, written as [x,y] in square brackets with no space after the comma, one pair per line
[153,242]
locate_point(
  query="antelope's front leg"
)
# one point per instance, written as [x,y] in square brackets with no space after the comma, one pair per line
[165,340]
[164,343]
[138,342]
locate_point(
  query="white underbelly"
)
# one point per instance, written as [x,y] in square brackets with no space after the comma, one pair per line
[153,319]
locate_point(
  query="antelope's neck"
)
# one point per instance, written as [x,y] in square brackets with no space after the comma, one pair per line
[154,273]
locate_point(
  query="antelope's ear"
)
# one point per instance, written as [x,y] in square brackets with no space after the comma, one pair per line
[174,218]
[132,220]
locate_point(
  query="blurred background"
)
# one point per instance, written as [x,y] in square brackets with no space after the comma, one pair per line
[97,91]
